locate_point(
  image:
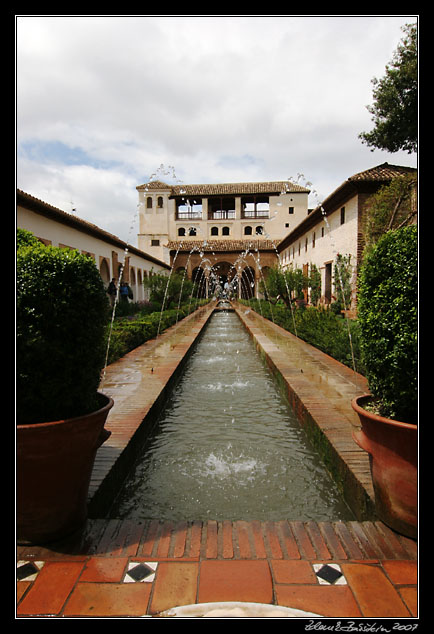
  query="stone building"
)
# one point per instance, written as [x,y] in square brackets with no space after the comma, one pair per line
[219,233]
[336,227]
[237,230]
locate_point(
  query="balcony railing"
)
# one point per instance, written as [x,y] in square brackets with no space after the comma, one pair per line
[222,214]
[188,215]
[255,214]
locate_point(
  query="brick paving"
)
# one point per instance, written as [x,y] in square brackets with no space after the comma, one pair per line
[118,568]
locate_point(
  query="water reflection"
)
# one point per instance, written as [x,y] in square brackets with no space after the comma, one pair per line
[227,446]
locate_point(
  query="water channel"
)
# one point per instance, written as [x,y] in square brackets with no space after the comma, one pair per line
[227,446]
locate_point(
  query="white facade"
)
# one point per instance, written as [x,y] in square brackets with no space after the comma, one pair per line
[231,211]
[321,243]
[336,228]
[56,227]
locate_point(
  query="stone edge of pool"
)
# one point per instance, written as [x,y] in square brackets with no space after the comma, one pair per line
[139,396]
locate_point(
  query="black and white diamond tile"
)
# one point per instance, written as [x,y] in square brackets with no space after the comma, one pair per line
[139,571]
[329,574]
[27,570]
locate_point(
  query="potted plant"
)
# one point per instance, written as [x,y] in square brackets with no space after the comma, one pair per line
[387,313]
[61,318]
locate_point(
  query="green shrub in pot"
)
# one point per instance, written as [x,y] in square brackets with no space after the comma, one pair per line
[387,313]
[61,316]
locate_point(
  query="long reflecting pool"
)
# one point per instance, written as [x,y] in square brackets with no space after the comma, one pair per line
[228,446]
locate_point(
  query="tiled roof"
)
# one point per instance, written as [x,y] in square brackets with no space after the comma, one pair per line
[383,172]
[379,174]
[208,246]
[154,185]
[227,189]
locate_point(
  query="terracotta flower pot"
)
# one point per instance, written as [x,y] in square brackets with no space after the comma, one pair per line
[54,466]
[393,452]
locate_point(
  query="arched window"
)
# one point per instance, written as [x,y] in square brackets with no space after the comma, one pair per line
[192,231]
[149,202]
[225,231]
[160,201]
[181,231]
[214,231]
[104,270]
[259,230]
[247,231]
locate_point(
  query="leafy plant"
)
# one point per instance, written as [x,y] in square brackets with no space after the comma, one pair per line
[286,285]
[26,238]
[343,272]
[315,284]
[168,292]
[320,327]
[387,312]
[61,314]
[128,333]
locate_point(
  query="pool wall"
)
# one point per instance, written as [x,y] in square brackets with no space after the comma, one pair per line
[141,382]
[328,426]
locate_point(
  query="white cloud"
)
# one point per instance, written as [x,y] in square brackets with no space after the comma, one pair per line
[220,98]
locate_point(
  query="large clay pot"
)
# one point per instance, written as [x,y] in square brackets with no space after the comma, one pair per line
[54,466]
[393,452]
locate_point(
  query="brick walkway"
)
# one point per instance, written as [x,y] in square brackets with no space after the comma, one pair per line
[132,569]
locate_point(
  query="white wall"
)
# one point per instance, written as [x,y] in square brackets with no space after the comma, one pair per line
[322,243]
[159,223]
[106,254]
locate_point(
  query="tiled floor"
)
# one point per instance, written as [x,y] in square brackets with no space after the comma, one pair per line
[135,569]
[126,569]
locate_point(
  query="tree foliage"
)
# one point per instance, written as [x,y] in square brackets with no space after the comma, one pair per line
[343,273]
[315,284]
[395,107]
[168,292]
[286,285]
[390,208]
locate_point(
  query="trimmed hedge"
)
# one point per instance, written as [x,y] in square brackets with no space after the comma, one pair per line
[320,327]
[387,312]
[129,333]
[61,312]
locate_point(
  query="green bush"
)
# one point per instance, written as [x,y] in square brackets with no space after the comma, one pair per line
[61,313]
[127,334]
[387,312]
[133,309]
[26,238]
[169,291]
[320,327]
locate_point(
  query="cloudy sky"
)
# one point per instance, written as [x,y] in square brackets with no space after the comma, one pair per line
[106,103]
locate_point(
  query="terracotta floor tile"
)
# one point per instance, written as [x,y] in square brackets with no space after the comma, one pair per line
[109,599]
[409,596]
[21,588]
[228,546]
[175,585]
[375,594]
[235,581]
[289,571]
[51,588]
[401,572]
[104,569]
[328,601]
